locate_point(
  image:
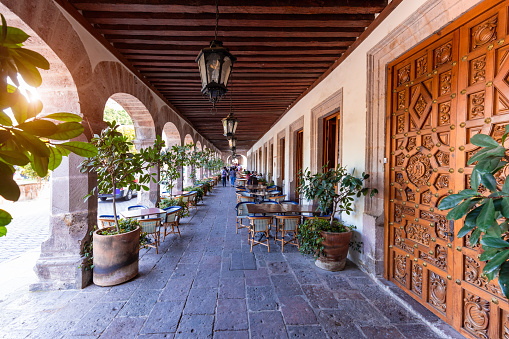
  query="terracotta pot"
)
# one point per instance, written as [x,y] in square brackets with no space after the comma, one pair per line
[116,257]
[336,249]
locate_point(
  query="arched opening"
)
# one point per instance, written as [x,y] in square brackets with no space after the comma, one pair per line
[171,137]
[188,139]
[137,124]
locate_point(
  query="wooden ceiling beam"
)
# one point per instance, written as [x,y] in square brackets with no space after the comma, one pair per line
[239,52]
[235,6]
[250,59]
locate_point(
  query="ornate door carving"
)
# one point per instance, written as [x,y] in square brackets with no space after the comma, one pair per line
[441,93]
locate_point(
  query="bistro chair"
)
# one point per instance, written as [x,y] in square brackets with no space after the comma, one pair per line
[287,224]
[277,198]
[242,215]
[246,197]
[259,225]
[106,220]
[153,229]
[275,192]
[171,219]
[191,202]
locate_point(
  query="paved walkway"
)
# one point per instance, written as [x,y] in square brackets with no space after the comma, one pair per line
[207,284]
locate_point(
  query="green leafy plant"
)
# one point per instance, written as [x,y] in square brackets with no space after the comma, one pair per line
[26,135]
[172,162]
[334,189]
[486,214]
[310,238]
[117,167]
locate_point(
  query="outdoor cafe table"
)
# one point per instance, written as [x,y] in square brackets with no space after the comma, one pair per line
[256,187]
[142,213]
[277,208]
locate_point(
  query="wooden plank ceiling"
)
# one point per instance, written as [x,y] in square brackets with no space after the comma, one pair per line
[282,47]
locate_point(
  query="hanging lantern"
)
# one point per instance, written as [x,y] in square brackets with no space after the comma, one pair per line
[230,125]
[234,150]
[233,142]
[215,64]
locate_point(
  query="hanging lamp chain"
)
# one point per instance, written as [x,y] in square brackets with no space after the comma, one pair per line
[217,21]
[231,94]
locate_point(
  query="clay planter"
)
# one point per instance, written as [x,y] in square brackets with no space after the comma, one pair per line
[116,257]
[336,248]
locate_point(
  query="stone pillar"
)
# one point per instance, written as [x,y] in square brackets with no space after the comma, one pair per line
[179,186]
[151,197]
[71,221]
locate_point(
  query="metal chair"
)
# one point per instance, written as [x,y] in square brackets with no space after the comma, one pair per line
[242,215]
[153,229]
[287,224]
[259,225]
[107,220]
[171,219]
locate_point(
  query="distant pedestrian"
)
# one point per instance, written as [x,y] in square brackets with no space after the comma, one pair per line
[233,176]
[224,174]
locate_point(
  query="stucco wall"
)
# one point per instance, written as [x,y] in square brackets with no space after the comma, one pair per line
[351,78]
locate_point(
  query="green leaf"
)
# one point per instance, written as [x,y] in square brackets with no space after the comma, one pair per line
[3,231]
[487,215]
[486,153]
[29,72]
[495,242]
[5,219]
[34,58]
[15,36]
[14,158]
[505,187]
[459,211]
[55,158]
[483,140]
[474,237]
[464,231]
[494,264]
[40,165]
[31,143]
[64,116]
[4,29]
[488,254]
[450,201]
[503,279]
[67,131]
[63,151]
[82,149]
[4,119]
[471,217]
[475,179]
[41,128]
[9,189]
[505,207]
[489,181]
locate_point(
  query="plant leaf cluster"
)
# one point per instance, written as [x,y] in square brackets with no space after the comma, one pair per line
[334,189]
[117,167]
[26,135]
[486,216]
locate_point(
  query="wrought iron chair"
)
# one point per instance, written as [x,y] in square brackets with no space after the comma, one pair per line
[287,224]
[153,229]
[259,225]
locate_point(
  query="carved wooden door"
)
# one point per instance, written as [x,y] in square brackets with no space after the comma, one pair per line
[443,92]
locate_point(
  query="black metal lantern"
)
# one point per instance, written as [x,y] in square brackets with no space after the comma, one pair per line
[215,64]
[233,142]
[230,125]
[234,149]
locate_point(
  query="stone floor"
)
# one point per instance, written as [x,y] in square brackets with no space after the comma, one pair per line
[207,284]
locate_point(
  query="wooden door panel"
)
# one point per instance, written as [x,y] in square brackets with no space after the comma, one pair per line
[443,92]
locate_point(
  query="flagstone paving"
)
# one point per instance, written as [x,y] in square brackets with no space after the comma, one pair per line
[207,284]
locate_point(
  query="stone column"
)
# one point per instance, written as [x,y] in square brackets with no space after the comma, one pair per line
[151,197]
[71,221]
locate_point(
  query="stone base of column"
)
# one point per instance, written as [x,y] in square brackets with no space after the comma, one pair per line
[58,266]
[373,244]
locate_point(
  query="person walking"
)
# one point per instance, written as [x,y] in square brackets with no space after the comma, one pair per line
[224,173]
[233,175]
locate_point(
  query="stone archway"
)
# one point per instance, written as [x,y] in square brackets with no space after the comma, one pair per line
[145,133]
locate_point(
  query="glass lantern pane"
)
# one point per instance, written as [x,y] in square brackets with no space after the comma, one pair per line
[213,67]
[225,126]
[234,127]
[225,72]
[203,70]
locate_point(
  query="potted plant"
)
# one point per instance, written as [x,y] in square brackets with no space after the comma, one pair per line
[485,207]
[172,162]
[334,190]
[26,135]
[116,249]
